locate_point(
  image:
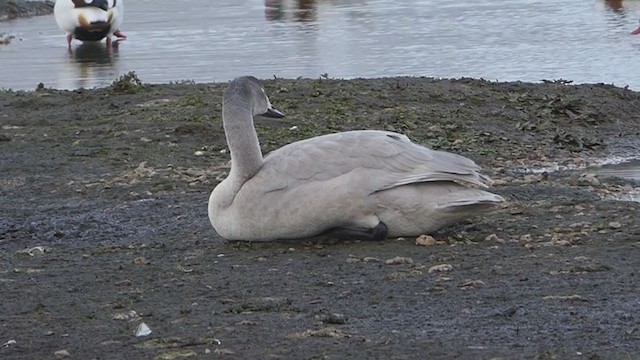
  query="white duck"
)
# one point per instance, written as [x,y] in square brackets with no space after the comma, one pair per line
[90,20]
[362,184]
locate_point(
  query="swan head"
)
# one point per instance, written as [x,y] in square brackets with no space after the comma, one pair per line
[248,91]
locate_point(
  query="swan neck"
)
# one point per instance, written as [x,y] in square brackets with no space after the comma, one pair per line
[242,139]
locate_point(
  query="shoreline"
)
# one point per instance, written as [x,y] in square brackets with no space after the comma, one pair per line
[13,9]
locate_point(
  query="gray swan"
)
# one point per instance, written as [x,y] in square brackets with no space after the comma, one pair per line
[364,184]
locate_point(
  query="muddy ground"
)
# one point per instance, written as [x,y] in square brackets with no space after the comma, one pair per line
[103,226]
[11,9]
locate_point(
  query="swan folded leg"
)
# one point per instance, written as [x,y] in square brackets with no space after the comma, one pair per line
[377,233]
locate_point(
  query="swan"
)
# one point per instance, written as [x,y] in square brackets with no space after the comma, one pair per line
[90,20]
[364,184]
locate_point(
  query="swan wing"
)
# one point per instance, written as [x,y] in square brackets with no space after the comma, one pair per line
[378,160]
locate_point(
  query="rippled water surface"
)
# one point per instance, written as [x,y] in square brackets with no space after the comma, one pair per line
[628,170]
[207,40]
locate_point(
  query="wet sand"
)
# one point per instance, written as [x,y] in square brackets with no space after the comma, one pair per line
[103,226]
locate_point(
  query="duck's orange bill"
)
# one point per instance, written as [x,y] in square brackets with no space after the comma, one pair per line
[636,31]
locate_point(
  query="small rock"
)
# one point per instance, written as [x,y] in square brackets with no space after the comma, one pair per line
[370,259]
[142,330]
[145,140]
[563,243]
[472,284]
[588,179]
[440,268]
[425,240]
[223,351]
[199,153]
[525,238]
[500,182]
[434,128]
[615,225]
[415,273]
[61,354]
[132,314]
[9,343]
[333,318]
[399,260]
[397,275]
[32,251]
[493,237]
[141,260]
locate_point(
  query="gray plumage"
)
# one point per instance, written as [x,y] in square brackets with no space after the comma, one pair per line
[353,180]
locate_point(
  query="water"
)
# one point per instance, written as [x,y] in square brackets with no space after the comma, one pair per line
[628,170]
[207,40]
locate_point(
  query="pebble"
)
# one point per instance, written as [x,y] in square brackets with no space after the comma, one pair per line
[399,260]
[615,225]
[472,284]
[425,240]
[143,330]
[33,251]
[525,238]
[61,354]
[588,179]
[132,314]
[141,260]
[333,318]
[494,237]
[440,268]
[223,351]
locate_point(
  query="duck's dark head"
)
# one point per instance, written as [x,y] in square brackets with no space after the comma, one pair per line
[101,4]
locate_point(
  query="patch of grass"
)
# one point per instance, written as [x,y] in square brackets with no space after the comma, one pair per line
[128,83]
[193,99]
[183,82]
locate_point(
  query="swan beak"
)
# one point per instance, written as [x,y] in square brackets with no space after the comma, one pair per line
[636,31]
[273,113]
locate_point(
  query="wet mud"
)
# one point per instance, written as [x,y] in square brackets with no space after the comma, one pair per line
[103,227]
